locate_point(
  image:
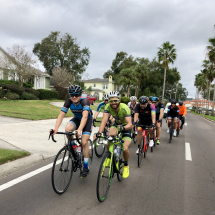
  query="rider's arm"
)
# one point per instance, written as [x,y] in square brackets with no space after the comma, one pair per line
[185,111]
[153,111]
[136,115]
[96,115]
[104,121]
[129,123]
[161,113]
[83,120]
[59,121]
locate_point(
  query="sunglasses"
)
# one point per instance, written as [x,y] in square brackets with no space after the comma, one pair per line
[154,102]
[75,95]
[106,100]
[114,101]
[143,103]
[174,103]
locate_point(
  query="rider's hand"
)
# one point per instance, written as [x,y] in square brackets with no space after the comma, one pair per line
[154,125]
[55,131]
[134,123]
[94,120]
[159,120]
[98,134]
[79,133]
[120,128]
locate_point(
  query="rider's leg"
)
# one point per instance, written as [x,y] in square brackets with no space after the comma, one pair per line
[175,123]
[169,121]
[84,141]
[139,135]
[158,130]
[71,126]
[151,133]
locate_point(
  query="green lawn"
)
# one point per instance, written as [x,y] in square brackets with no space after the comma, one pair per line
[32,109]
[7,155]
[206,116]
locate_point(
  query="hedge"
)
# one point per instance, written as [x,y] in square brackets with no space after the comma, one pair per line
[32,91]
[63,92]
[125,100]
[48,94]
[28,96]
[15,89]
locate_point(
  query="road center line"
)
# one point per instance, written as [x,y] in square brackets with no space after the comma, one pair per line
[28,175]
[188,152]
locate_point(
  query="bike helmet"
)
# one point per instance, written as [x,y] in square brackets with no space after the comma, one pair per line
[173,101]
[114,94]
[150,98]
[75,89]
[143,100]
[105,97]
[133,98]
[180,103]
[155,99]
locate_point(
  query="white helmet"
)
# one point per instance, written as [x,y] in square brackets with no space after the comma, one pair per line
[105,97]
[133,98]
[114,94]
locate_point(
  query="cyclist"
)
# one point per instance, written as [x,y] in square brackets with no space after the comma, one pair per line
[146,114]
[122,115]
[82,120]
[182,113]
[132,104]
[159,116]
[173,113]
[150,99]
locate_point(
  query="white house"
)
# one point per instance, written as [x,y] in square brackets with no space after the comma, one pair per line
[41,80]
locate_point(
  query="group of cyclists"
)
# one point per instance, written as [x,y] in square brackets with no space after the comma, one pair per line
[146,112]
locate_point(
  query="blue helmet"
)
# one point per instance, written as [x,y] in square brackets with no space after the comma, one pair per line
[156,99]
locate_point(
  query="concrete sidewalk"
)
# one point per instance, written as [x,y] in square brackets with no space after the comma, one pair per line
[31,136]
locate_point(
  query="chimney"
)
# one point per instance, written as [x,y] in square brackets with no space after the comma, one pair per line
[110,78]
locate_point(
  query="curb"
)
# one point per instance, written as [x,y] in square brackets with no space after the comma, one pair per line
[20,164]
[204,117]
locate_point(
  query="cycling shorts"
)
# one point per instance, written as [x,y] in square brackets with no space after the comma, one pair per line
[87,128]
[144,122]
[125,134]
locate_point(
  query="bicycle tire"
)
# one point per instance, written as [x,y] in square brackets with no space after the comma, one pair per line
[120,169]
[99,150]
[90,161]
[170,132]
[64,166]
[134,137]
[178,129]
[103,169]
[141,151]
[146,147]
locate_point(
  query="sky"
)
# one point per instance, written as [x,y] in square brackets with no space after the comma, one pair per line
[137,27]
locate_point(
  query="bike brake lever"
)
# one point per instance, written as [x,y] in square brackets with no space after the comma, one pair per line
[51,132]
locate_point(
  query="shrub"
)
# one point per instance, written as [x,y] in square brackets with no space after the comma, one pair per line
[4,82]
[28,85]
[48,94]
[63,92]
[12,96]
[15,89]
[32,91]
[28,96]
[125,100]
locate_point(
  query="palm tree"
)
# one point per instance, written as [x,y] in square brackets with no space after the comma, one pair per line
[211,56]
[166,54]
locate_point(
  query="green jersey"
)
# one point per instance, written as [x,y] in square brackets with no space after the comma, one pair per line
[123,112]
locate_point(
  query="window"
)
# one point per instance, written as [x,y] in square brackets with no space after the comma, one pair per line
[94,85]
[106,86]
[84,95]
[118,88]
[103,86]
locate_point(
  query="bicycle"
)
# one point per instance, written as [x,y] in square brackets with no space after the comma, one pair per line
[99,143]
[110,166]
[144,144]
[178,127]
[134,134]
[68,161]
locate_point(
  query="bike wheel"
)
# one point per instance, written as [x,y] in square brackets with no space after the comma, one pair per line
[120,169]
[134,137]
[146,145]
[62,171]
[100,149]
[170,133]
[178,129]
[141,151]
[104,178]
[90,161]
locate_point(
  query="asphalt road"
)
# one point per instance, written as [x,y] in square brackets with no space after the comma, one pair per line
[165,184]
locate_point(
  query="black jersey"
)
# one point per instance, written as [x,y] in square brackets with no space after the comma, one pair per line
[146,112]
[173,112]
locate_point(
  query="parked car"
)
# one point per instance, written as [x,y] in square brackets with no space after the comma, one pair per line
[91,98]
[166,108]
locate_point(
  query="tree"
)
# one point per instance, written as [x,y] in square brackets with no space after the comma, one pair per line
[108,73]
[166,54]
[63,52]
[19,63]
[62,77]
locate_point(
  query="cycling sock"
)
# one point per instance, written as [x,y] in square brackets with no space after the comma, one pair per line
[86,163]
[125,163]
[73,143]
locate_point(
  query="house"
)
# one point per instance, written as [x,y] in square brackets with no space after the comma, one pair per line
[102,86]
[41,80]
[202,103]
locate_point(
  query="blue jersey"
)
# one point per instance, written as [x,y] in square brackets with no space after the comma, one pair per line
[101,107]
[77,110]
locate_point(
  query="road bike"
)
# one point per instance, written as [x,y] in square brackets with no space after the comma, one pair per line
[67,161]
[110,166]
[100,142]
[144,144]
[134,134]
[178,127]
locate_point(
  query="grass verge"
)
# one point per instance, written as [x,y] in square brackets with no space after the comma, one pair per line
[206,116]
[7,155]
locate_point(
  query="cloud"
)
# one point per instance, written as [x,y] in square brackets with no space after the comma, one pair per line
[107,27]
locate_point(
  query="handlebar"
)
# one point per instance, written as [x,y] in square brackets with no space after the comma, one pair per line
[69,133]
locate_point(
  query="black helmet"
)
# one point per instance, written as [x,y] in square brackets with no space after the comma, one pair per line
[75,89]
[150,98]
[173,101]
[143,100]
[180,103]
[155,99]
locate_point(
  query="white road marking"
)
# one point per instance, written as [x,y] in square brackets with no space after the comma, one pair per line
[28,175]
[188,152]
[185,124]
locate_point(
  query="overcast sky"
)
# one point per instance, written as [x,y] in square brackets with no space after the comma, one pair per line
[137,27]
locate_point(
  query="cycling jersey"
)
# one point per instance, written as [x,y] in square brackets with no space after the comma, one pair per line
[182,110]
[173,112]
[132,108]
[123,112]
[146,112]
[77,110]
[101,107]
[158,107]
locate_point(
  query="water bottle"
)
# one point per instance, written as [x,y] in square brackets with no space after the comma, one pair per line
[73,145]
[117,152]
[78,149]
